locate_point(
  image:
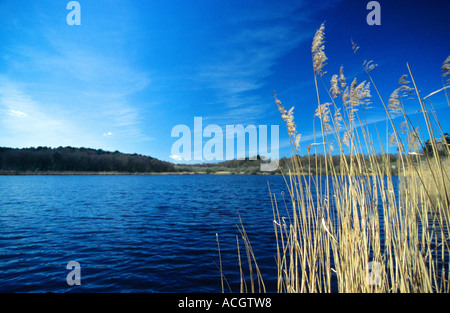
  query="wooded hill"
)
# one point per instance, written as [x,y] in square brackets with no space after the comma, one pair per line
[80,160]
[309,165]
[69,159]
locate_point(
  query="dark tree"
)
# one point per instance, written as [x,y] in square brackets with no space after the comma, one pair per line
[78,160]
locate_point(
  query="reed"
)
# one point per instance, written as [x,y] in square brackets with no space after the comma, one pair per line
[357,227]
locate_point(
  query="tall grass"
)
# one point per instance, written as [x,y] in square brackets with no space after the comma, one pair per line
[356,227]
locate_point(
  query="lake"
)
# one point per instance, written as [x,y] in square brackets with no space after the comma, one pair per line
[138,233]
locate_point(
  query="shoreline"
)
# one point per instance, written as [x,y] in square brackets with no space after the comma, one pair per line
[181,173]
[51,173]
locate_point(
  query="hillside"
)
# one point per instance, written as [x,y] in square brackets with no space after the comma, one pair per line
[308,165]
[69,159]
[239,166]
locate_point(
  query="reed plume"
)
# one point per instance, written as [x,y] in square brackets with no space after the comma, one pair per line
[317,50]
[359,216]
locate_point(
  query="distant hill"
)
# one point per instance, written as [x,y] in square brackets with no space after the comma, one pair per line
[69,159]
[240,166]
[307,164]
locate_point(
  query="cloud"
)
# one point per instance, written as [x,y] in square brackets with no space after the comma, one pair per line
[88,91]
[38,126]
[16,113]
[245,59]
[243,62]
[176,157]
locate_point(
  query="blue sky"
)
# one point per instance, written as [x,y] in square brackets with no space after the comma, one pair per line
[135,69]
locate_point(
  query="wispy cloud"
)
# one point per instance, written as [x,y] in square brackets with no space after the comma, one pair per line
[26,122]
[244,60]
[89,92]
[239,69]
[15,113]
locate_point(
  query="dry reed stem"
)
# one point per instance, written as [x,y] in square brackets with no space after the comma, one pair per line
[358,215]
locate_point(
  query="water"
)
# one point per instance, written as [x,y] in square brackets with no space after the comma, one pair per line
[133,233]
[136,233]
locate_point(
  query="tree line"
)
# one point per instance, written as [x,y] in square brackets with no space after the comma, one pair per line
[69,159]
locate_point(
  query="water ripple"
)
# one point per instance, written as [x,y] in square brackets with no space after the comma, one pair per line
[130,233]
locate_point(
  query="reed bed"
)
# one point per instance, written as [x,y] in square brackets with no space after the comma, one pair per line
[357,227]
